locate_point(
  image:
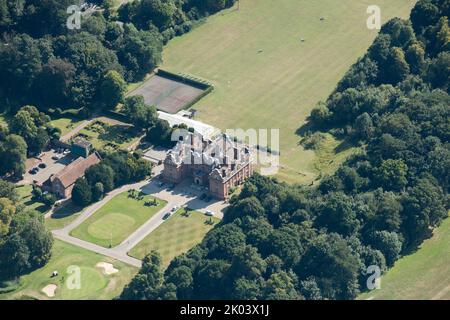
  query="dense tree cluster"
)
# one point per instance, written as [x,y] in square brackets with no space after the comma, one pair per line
[115,170]
[145,117]
[28,132]
[44,63]
[280,241]
[25,243]
[170,17]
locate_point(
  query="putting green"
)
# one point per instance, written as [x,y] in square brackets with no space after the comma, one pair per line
[117,219]
[112,224]
[94,284]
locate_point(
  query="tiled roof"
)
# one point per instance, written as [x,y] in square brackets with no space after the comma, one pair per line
[76,169]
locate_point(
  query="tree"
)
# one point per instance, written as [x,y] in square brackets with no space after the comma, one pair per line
[389,244]
[337,215]
[320,115]
[423,14]
[31,124]
[98,191]
[140,52]
[281,286]
[182,277]
[7,210]
[210,279]
[23,125]
[437,70]
[392,174]
[39,242]
[160,134]
[286,243]
[112,90]
[423,207]
[81,193]
[100,173]
[364,127]
[146,284]
[141,115]
[245,289]
[8,190]
[14,256]
[54,83]
[331,262]
[415,56]
[247,263]
[14,148]
[398,67]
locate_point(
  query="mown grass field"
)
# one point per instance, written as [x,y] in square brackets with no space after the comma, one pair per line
[94,283]
[264,76]
[175,236]
[65,124]
[116,220]
[423,275]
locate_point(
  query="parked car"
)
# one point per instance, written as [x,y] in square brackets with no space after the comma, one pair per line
[167,216]
[55,158]
[209,213]
[175,208]
[42,165]
[36,169]
[31,171]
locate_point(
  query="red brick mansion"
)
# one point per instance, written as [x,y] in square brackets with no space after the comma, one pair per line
[218,164]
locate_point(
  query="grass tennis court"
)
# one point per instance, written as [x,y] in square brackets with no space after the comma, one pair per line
[166,94]
[117,219]
[175,236]
[264,76]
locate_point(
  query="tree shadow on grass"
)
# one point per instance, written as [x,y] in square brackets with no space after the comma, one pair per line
[42,208]
[66,211]
[345,145]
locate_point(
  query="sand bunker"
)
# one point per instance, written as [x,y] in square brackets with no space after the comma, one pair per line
[108,268]
[49,290]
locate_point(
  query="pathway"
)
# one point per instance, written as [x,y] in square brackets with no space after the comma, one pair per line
[181,195]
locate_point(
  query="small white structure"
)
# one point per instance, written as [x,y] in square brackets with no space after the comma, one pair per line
[204,129]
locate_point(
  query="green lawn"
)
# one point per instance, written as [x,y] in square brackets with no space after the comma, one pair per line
[264,76]
[65,124]
[175,236]
[423,275]
[94,283]
[116,220]
[25,199]
[63,216]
